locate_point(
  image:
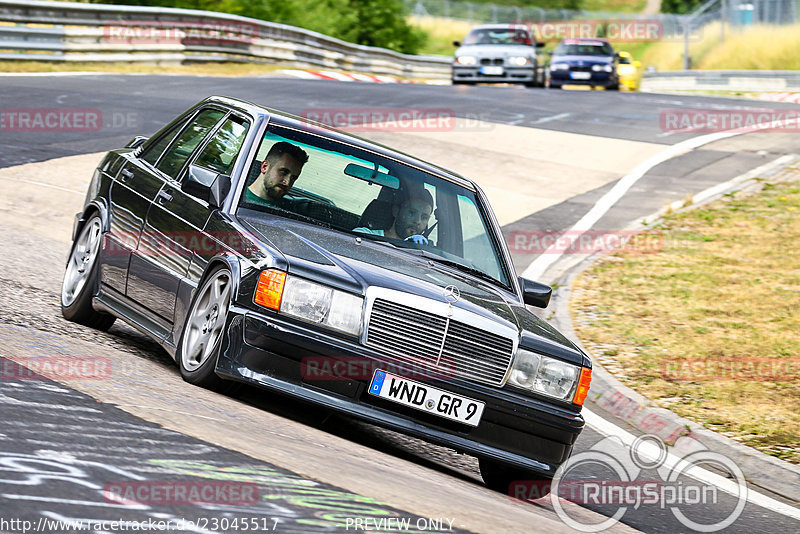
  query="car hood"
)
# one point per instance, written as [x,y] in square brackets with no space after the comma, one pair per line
[344,261]
[587,60]
[495,51]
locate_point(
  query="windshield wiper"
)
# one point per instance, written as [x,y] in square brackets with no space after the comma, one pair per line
[458,265]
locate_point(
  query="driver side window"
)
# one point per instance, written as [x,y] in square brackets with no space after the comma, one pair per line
[174,158]
[220,152]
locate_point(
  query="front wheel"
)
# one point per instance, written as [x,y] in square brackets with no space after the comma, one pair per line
[80,279]
[203,330]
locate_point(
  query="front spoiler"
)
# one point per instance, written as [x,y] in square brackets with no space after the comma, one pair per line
[267,351]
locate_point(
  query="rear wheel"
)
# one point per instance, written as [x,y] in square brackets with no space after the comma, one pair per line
[516,483]
[203,330]
[80,279]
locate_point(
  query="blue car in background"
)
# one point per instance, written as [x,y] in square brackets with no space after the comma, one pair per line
[584,62]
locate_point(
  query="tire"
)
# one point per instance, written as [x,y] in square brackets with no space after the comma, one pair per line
[554,86]
[516,483]
[81,278]
[203,330]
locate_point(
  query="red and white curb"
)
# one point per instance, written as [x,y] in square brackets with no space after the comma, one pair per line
[780,97]
[354,77]
[339,76]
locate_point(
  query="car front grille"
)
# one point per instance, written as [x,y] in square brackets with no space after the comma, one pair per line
[576,68]
[491,61]
[439,343]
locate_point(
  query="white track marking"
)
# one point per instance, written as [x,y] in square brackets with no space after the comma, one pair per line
[725,484]
[547,258]
[552,118]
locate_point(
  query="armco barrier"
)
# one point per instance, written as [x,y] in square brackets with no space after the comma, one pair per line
[91,32]
[756,81]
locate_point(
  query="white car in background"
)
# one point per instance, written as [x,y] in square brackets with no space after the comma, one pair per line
[498,53]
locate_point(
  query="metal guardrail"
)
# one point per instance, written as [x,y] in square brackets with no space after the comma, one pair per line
[102,33]
[723,80]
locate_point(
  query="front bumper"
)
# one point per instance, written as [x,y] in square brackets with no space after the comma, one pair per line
[269,351]
[567,77]
[509,75]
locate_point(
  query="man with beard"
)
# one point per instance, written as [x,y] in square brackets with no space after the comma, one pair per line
[279,171]
[411,217]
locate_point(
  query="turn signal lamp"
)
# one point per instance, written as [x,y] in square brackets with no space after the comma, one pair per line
[583,386]
[270,289]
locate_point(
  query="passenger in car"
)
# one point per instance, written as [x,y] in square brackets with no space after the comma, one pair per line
[279,171]
[411,216]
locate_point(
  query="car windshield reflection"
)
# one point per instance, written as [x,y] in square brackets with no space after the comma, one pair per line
[351,190]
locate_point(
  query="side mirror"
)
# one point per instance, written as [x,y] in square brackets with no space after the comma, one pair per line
[637,64]
[535,293]
[539,45]
[456,43]
[616,55]
[206,185]
[549,52]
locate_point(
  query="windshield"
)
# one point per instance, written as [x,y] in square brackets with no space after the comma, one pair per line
[498,36]
[584,49]
[338,186]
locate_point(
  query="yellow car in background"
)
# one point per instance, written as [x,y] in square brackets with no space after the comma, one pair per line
[629,71]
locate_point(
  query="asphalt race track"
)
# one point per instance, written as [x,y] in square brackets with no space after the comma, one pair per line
[65,448]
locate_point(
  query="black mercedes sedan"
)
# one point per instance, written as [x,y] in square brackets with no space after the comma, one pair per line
[257,247]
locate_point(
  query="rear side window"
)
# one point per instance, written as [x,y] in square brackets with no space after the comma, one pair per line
[180,150]
[221,151]
[154,152]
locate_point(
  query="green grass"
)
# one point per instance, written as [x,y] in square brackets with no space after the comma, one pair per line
[730,299]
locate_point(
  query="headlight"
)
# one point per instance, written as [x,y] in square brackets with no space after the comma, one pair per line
[546,375]
[519,61]
[310,301]
[466,60]
[559,66]
[597,68]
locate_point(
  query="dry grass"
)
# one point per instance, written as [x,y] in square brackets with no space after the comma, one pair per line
[441,33]
[709,327]
[614,6]
[756,47]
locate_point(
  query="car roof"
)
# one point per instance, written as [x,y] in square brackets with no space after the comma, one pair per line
[585,40]
[282,118]
[500,27]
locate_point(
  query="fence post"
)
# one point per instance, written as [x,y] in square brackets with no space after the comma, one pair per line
[686,28]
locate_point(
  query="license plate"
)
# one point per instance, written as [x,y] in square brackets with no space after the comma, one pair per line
[580,75]
[426,398]
[492,71]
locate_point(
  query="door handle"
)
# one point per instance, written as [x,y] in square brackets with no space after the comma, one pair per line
[164,196]
[125,174]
